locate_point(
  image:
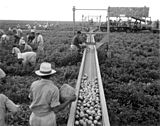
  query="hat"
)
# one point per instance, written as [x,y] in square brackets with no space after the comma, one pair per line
[21,42]
[78,32]
[2,73]
[45,69]
[32,30]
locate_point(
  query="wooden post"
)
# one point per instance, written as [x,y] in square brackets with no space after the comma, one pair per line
[99,28]
[145,21]
[82,18]
[108,26]
[74,9]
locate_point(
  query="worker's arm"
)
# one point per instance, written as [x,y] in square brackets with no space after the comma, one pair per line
[55,104]
[11,106]
[63,105]
[73,40]
[30,96]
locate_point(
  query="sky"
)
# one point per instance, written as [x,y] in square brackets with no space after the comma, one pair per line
[61,10]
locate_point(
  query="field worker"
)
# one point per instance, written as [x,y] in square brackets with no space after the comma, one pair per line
[40,42]
[31,36]
[2,73]
[29,27]
[77,41]
[4,39]
[16,39]
[19,32]
[21,41]
[27,36]
[45,98]
[27,59]
[6,105]
[1,32]
[25,47]
[15,50]
[14,30]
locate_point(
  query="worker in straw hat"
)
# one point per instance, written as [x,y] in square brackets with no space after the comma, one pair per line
[45,98]
[6,105]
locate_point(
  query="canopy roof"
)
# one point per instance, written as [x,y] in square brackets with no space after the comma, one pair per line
[138,12]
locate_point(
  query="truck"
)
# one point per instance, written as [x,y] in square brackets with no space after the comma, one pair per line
[155,27]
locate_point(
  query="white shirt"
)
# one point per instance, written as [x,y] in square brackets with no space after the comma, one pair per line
[40,40]
[3,37]
[5,104]
[44,95]
[16,50]
[27,56]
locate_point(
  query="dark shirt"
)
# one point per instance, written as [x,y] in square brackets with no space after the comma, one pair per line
[30,38]
[76,41]
[16,39]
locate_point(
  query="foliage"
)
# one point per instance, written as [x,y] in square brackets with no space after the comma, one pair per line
[130,77]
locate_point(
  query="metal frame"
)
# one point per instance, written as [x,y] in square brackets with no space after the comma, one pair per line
[128,15]
[105,117]
[108,18]
[74,10]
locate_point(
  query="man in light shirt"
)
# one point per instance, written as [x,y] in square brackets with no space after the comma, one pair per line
[27,58]
[39,42]
[25,46]
[2,74]
[4,39]
[6,103]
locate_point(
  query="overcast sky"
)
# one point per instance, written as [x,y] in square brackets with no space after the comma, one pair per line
[61,10]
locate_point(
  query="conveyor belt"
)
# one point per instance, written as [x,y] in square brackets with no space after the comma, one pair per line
[90,67]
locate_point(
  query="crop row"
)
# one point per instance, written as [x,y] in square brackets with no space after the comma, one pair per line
[130,77]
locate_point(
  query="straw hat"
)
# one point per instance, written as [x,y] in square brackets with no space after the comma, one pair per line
[45,69]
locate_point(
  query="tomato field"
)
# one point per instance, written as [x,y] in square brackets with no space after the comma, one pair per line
[130,76]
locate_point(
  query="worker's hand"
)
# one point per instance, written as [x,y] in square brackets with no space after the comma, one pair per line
[18,107]
[73,98]
[73,47]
